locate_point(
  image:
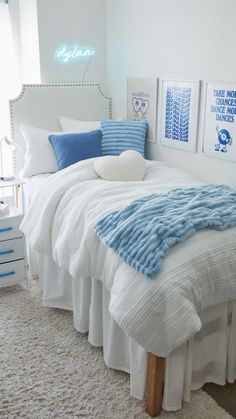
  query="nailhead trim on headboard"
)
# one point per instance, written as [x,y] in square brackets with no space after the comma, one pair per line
[57,85]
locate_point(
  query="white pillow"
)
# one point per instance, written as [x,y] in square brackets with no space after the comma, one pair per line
[75,125]
[128,166]
[39,156]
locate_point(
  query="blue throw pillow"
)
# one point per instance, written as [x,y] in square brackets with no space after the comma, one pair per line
[71,148]
[119,136]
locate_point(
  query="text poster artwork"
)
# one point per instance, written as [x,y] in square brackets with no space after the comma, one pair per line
[141,103]
[179,114]
[220,121]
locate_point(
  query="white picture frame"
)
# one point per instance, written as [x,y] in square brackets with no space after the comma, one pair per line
[179,113]
[142,103]
[219,137]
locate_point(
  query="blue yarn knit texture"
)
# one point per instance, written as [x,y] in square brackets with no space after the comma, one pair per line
[119,136]
[143,232]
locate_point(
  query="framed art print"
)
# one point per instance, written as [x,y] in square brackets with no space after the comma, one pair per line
[220,120]
[179,114]
[141,103]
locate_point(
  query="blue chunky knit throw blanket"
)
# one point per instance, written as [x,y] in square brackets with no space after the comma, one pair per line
[143,232]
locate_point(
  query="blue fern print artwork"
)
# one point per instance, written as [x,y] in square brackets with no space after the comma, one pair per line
[178,100]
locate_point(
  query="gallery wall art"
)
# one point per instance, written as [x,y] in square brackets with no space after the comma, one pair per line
[220,120]
[179,114]
[141,103]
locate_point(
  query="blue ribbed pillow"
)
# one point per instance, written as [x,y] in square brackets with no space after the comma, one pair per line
[119,136]
[71,148]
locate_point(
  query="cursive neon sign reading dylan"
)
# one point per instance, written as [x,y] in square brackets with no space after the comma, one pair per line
[68,53]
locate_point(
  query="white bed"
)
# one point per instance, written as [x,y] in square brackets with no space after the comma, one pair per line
[29,188]
[187,367]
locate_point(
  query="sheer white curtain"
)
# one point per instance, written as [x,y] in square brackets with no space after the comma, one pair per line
[9,84]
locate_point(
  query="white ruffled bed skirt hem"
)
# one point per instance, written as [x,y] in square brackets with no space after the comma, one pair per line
[209,356]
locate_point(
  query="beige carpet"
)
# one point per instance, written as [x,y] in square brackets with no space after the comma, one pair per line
[48,370]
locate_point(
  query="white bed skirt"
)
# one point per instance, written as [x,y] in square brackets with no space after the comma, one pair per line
[210,356]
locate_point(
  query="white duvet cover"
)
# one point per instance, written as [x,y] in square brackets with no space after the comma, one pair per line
[159,314]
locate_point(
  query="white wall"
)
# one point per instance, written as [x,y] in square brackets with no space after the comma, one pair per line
[29,41]
[72,21]
[173,39]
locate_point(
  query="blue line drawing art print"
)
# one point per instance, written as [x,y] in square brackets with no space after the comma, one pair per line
[140,108]
[224,140]
[177,116]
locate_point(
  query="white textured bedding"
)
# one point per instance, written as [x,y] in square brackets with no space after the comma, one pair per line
[31,186]
[159,314]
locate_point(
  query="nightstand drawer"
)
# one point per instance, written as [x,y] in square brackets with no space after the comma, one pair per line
[11,250]
[12,272]
[9,228]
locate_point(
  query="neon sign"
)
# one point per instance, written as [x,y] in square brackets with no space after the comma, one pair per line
[69,53]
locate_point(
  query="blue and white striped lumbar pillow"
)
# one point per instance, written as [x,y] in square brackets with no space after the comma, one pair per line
[119,136]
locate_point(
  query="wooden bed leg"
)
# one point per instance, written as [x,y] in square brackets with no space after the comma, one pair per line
[155,382]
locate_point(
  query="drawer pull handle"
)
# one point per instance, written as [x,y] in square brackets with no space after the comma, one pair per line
[10,273]
[6,252]
[5,229]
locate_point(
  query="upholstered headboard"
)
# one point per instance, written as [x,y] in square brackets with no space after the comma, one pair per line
[41,104]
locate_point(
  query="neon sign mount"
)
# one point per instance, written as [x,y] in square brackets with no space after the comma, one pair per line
[67,53]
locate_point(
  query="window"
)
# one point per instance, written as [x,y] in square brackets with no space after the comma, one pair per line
[9,86]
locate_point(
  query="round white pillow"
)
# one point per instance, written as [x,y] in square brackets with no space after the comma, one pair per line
[128,166]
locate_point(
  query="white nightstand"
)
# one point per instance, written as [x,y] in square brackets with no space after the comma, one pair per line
[15,184]
[12,249]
